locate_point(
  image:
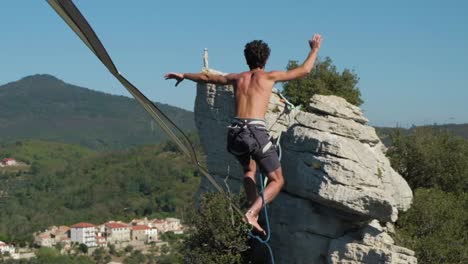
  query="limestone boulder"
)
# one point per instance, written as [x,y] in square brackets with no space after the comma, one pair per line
[371,244]
[337,178]
[336,106]
[341,163]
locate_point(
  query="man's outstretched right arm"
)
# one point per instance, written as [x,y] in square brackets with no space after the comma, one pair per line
[202,78]
[305,68]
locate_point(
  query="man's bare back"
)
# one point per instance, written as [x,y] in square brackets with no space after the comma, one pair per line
[252,90]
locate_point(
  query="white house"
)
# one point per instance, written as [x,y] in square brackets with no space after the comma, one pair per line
[173,224]
[4,248]
[83,233]
[9,162]
[117,232]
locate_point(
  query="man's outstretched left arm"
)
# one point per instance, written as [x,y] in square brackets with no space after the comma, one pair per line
[202,78]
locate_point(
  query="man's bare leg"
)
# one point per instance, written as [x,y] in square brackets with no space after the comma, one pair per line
[251,193]
[275,183]
[250,182]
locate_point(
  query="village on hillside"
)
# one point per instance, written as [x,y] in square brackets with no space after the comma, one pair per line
[140,234]
[7,162]
[12,165]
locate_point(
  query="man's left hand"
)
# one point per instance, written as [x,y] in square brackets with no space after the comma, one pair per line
[174,75]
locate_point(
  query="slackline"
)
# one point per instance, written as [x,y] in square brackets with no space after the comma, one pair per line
[73,17]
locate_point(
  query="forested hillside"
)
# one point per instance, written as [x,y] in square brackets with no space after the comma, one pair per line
[117,168]
[460,130]
[435,164]
[46,108]
[67,184]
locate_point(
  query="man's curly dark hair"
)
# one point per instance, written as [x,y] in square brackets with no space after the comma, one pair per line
[256,53]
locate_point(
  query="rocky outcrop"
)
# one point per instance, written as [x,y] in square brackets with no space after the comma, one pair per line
[338,179]
[334,159]
[370,244]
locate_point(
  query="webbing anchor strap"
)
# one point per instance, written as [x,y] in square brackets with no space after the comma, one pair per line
[76,21]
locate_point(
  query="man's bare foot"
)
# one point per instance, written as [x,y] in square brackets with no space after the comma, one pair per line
[252,219]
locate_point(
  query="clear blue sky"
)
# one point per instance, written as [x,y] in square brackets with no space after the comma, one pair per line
[411,56]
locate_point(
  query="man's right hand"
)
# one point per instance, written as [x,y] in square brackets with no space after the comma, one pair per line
[315,42]
[174,75]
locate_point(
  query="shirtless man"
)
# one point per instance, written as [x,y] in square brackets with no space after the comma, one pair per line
[248,137]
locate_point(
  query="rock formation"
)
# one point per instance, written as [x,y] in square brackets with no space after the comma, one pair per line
[339,184]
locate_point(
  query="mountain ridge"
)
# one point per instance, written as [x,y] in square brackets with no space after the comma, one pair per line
[44,107]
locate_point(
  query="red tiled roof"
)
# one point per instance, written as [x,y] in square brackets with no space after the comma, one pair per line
[82,225]
[64,228]
[44,236]
[116,225]
[140,227]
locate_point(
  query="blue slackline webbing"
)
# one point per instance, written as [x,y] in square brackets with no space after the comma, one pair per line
[262,189]
[73,17]
[265,212]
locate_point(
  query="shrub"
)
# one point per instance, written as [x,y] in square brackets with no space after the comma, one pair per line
[323,79]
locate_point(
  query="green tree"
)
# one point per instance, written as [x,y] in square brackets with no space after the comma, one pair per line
[100,256]
[45,253]
[428,157]
[4,238]
[219,235]
[435,164]
[436,227]
[128,249]
[165,249]
[52,256]
[59,246]
[83,248]
[112,250]
[324,79]
[135,258]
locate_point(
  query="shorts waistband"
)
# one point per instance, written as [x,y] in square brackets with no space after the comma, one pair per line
[249,121]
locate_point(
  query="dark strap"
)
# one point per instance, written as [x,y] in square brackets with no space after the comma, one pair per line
[73,17]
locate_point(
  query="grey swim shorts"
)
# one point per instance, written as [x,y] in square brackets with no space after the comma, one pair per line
[249,139]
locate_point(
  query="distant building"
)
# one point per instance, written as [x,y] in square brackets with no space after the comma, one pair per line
[144,233]
[174,225]
[62,234]
[83,233]
[5,248]
[44,240]
[168,224]
[9,162]
[140,231]
[101,241]
[101,230]
[52,235]
[117,232]
[159,224]
[143,221]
